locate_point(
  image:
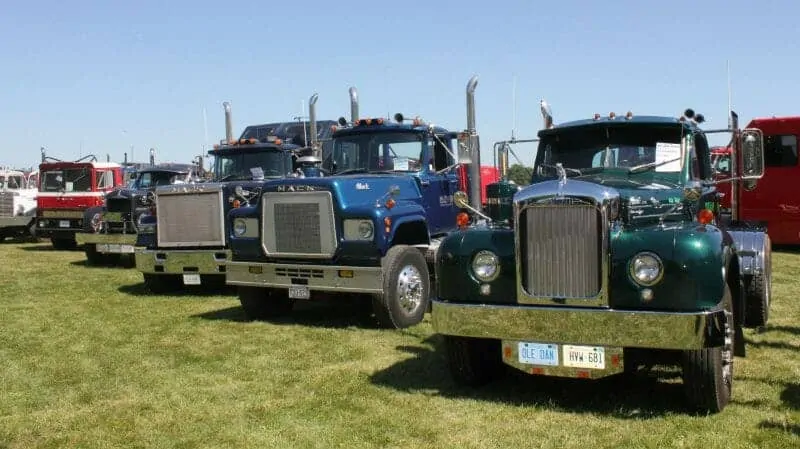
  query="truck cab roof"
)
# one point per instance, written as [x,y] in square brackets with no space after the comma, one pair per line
[619,121]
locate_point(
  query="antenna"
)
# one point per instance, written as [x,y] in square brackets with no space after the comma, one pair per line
[730,106]
[513,107]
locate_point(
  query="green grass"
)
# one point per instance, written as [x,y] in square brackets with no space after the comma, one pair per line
[89,359]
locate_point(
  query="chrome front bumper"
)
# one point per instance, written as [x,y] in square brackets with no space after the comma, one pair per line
[108,243]
[20,221]
[182,261]
[315,277]
[590,326]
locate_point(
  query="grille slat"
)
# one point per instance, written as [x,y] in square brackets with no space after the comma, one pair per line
[6,204]
[562,251]
[298,224]
[190,219]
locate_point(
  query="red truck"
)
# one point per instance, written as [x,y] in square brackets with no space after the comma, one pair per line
[770,202]
[66,190]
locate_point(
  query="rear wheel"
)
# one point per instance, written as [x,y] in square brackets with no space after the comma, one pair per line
[708,372]
[262,303]
[161,283]
[758,291]
[406,288]
[472,361]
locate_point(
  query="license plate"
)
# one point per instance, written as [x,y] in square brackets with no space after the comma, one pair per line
[592,357]
[537,353]
[102,248]
[191,279]
[63,224]
[299,292]
[126,249]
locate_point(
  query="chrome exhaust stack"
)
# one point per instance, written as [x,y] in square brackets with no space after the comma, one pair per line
[353,105]
[474,147]
[547,114]
[152,156]
[312,124]
[228,124]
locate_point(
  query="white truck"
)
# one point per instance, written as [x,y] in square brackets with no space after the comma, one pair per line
[17,203]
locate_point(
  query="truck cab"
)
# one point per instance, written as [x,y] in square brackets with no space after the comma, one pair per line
[182,239]
[368,227]
[615,257]
[110,230]
[66,190]
[17,203]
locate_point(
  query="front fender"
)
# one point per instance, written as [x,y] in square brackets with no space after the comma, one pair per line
[693,257]
[455,278]
[244,248]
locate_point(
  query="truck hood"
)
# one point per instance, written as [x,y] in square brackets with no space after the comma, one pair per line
[353,191]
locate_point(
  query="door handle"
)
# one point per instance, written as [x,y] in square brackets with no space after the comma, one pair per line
[424,182]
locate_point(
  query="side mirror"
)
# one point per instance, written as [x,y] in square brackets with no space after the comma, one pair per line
[464,151]
[752,154]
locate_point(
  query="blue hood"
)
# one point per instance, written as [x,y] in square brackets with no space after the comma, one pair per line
[356,190]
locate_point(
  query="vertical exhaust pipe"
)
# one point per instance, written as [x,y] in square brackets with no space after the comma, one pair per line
[152,156]
[44,154]
[502,161]
[312,124]
[353,105]
[547,114]
[228,124]
[475,166]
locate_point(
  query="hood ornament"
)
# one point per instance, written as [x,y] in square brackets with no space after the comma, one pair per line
[562,177]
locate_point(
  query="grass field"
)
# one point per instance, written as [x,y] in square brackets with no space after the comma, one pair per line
[90,359]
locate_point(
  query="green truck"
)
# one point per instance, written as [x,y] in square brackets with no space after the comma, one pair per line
[614,258]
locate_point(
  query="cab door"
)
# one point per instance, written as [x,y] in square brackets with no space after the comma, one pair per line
[438,184]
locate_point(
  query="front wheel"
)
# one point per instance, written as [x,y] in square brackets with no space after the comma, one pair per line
[708,372]
[263,303]
[406,288]
[472,361]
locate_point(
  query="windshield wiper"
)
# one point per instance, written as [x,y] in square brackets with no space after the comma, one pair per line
[234,177]
[579,172]
[351,170]
[650,165]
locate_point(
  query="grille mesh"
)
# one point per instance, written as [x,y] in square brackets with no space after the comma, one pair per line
[190,219]
[562,257]
[6,204]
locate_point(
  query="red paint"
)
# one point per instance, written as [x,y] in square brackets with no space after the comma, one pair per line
[489,175]
[77,200]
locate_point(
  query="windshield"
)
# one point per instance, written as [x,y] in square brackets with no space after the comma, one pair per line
[260,132]
[378,152]
[11,182]
[721,163]
[152,179]
[67,180]
[593,149]
[229,167]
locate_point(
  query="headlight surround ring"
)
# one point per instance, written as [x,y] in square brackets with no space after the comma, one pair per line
[646,269]
[485,266]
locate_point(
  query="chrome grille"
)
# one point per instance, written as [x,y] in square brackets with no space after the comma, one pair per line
[298,224]
[6,204]
[562,251]
[193,218]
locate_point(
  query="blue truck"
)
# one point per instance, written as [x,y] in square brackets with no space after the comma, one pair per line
[182,239]
[370,225]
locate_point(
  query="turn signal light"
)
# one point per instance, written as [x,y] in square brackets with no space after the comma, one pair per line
[236,203]
[462,220]
[705,216]
[390,203]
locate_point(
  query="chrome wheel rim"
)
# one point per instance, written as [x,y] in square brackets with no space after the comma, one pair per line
[409,288]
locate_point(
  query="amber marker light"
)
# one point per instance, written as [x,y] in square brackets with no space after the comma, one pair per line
[462,220]
[705,216]
[390,203]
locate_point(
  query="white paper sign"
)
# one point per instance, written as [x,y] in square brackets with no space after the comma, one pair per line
[668,152]
[401,164]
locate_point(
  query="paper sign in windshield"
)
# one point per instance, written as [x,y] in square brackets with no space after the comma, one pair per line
[668,152]
[257,173]
[401,164]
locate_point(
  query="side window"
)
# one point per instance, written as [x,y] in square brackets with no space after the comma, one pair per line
[780,150]
[441,158]
[145,181]
[105,179]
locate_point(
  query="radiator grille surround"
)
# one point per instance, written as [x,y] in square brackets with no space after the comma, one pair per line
[561,233]
[191,218]
[298,224]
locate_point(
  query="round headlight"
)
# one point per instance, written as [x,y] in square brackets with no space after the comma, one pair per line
[239,227]
[646,269]
[486,266]
[365,230]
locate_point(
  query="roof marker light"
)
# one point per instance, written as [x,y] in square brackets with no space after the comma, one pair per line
[628,115]
[596,116]
[612,115]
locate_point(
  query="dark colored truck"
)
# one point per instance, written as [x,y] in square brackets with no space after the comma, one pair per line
[615,257]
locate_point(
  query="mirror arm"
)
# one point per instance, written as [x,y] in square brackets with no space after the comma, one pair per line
[475,211]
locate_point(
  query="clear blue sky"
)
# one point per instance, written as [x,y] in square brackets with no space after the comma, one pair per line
[80,77]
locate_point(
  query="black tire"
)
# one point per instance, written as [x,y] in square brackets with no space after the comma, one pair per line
[64,244]
[472,361]
[708,372]
[758,292]
[128,261]
[263,303]
[404,268]
[161,283]
[93,258]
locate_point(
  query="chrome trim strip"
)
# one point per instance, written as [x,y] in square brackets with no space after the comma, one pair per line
[324,277]
[175,261]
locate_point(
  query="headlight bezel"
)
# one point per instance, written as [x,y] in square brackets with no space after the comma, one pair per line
[239,227]
[490,259]
[651,258]
[359,229]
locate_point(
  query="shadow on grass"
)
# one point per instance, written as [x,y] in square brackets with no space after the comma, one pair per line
[791,398]
[774,345]
[110,264]
[789,249]
[794,330]
[45,247]
[334,314]
[184,291]
[639,396]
